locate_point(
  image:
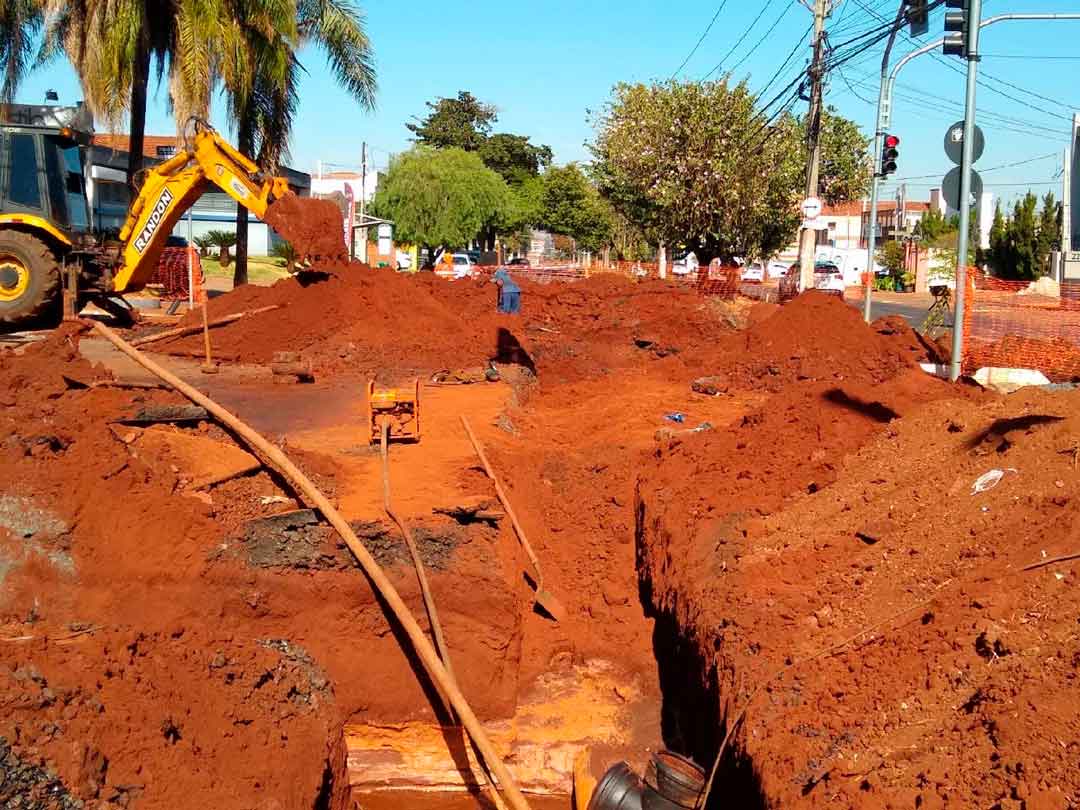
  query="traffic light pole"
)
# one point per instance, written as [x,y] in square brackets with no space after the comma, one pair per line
[974,18]
[883,103]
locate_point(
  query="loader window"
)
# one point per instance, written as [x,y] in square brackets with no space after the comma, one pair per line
[23,188]
[63,168]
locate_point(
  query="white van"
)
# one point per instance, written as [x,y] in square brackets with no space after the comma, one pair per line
[851,261]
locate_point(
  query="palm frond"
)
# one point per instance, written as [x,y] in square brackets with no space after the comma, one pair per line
[337,26]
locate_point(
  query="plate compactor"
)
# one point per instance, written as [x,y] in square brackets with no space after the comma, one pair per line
[398,408]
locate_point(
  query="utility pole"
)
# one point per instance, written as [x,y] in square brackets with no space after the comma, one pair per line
[363,199]
[808,236]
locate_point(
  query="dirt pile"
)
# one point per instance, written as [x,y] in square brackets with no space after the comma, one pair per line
[147,657]
[351,318]
[313,227]
[817,337]
[844,504]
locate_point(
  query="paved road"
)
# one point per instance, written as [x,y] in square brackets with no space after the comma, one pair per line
[911,307]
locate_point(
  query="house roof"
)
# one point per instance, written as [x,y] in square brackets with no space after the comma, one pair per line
[910,206]
[848,209]
[340,176]
[151,143]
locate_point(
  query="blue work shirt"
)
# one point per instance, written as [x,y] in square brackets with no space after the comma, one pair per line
[502,278]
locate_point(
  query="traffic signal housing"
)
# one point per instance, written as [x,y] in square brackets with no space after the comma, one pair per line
[890,151]
[956,28]
[918,17]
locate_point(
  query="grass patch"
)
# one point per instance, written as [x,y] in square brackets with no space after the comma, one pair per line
[260,269]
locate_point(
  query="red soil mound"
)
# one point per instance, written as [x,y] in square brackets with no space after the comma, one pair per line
[313,227]
[150,653]
[348,317]
[818,337]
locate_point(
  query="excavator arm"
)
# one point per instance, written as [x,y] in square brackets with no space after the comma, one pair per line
[172,187]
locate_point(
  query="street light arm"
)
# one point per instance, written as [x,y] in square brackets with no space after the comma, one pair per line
[938,43]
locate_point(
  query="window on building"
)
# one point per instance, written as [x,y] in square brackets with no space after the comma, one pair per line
[165,151]
[23,188]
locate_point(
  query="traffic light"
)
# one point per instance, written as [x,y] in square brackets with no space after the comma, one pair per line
[918,17]
[890,151]
[956,28]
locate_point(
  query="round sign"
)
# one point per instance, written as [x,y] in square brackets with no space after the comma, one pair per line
[950,188]
[954,143]
[811,208]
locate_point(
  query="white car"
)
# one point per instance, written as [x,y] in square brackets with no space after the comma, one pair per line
[687,265]
[754,272]
[463,267]
[827,278]
[776,269]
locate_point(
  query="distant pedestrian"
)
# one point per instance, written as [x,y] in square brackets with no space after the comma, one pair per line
[509,292]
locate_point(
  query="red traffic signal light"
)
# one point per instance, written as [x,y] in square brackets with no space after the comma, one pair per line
[889,153]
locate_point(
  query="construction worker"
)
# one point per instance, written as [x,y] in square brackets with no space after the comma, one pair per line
[509,292]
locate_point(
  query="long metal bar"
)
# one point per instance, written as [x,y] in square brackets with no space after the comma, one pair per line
[884,103]
[972,48]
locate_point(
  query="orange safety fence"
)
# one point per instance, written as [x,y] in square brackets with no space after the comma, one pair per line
[1022,324]
[172,274]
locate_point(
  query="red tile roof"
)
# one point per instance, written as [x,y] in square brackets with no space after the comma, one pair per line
[150,142]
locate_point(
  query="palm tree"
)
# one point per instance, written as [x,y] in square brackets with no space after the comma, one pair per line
[114,44]
[21,22]
[264,109]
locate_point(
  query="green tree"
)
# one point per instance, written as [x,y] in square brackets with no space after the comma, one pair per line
[193,44]
[845,162]
[572,206]
[264,104]
[892,256]
[514,156]
[463,122]
[222,240]
[1049,229]
[440,197]
[21,23]
[932,226]
[524,209]
[697,164]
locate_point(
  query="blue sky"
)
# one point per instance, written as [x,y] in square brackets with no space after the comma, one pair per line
[545,65]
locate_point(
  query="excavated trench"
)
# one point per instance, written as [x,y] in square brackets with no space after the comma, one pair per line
[695,681]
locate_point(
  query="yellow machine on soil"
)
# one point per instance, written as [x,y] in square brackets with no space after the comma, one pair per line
[49,254]
[398,408]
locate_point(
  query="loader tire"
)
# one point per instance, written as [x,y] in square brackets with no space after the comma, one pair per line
[30,292]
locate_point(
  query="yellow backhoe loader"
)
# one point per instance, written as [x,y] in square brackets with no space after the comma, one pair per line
[52,263]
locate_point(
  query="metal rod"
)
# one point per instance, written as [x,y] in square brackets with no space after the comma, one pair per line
[972,46]
[884,104]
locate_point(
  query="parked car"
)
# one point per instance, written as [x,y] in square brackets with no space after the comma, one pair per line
[518,261]
[685,265]
[754,272]
[463,267]
[827,278]
[776,269]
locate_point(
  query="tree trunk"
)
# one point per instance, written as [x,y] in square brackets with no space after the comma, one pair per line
[246,143]
[140,78]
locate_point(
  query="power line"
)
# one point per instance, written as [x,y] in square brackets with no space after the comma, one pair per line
[764,36]
[739,42]
[790,56]
[708,28]
[1024,56]
[957,69]
[981,171]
